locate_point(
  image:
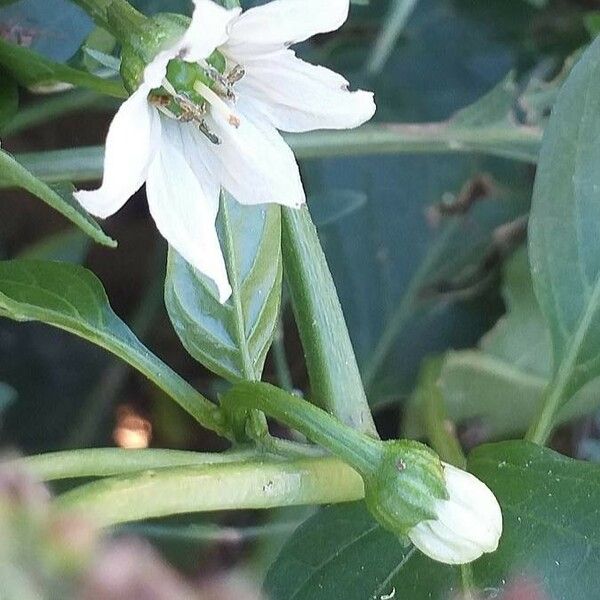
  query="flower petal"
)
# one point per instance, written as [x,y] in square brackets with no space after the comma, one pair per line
[297,96]
[253,162]
[131,142]
[184,206]
[284,22]
[207,31]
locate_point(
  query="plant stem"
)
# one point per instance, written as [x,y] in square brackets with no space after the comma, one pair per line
[116,16]
[103,462]
[282,369]
[399,14]
[360,451]
[439,429]
[563,384]
[85,163]
[232,486]
[335,380]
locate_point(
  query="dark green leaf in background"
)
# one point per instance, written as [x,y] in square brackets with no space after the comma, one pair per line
[510,369]
[393,262]
[233,339]
[551,511]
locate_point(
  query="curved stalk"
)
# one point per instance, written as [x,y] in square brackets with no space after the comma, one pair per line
[249,485]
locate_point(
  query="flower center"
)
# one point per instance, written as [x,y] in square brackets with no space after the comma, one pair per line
[189,89]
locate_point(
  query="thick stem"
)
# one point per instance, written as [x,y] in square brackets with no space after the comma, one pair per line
[116,16]
[334,376]
[203,488]
[360,451]
[104,462]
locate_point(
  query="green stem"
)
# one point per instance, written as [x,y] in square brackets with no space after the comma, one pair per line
[256,423]
[204,488]
[360,451]
[334,376]
[467,581]
[104,462]
[282,369]
[116,16]
[562,384]
[551,400]
[85,163]
[440,430]
[399,14]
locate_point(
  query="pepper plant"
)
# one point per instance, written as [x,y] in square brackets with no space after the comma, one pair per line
[215,114]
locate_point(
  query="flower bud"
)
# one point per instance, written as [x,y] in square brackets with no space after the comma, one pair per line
[403,489]
[467,524]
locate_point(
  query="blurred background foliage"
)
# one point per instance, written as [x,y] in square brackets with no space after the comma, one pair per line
[418,243]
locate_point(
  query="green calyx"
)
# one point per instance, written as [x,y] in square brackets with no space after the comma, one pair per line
[143,45]
[402,490]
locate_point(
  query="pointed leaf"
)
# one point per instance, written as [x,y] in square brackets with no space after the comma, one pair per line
[231,339]
[32,69]
[59,197]
[72,298]
[564,229]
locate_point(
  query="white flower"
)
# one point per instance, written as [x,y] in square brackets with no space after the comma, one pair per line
[232,140]
[468,524]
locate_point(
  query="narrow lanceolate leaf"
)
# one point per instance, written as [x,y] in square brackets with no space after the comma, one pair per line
[59,197]
[549,547]
[231,339]
[72,298]
[565,226]
[32,69]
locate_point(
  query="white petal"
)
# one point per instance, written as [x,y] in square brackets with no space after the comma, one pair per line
[132,140]
[443,545]
[253,162]
[185,208]
[208,30]
[284,22]
[297,96]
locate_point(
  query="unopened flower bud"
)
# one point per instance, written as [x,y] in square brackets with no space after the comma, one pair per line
[447,513]
[466,525]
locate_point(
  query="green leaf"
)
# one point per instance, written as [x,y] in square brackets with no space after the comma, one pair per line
[59,197]
[510,369]
[31,69]
[231,339]
[564,245]
[72,298]
[551,530]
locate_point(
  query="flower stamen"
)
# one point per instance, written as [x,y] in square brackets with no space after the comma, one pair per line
[217,103]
